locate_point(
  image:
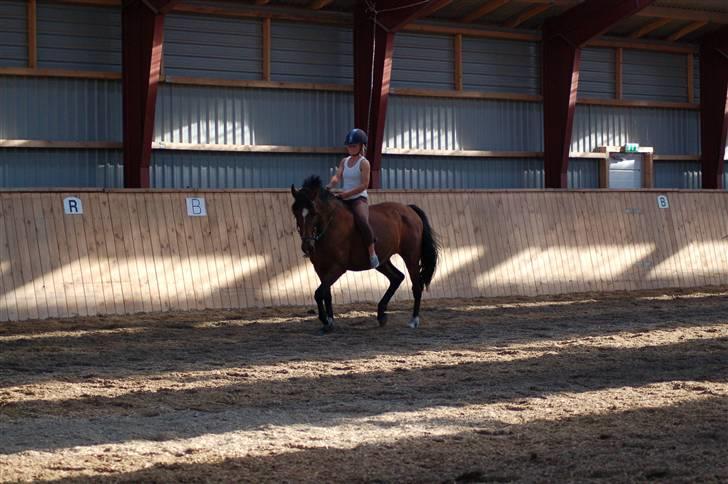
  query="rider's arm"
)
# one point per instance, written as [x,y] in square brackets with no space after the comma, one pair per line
[365,172]
[336,179]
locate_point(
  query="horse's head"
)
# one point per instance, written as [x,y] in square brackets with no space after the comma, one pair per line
[309,207]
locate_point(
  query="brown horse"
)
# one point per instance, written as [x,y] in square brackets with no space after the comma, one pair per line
[334,246]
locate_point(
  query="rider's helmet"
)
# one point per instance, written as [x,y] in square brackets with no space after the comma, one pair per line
[356,137]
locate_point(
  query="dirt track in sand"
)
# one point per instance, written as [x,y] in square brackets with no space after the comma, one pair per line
[584,388]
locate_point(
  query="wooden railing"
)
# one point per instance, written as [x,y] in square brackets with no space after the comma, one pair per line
[133,251]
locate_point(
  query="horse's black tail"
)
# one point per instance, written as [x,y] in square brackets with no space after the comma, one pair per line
[430,249]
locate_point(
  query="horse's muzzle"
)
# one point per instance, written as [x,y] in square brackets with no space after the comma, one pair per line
[307,246]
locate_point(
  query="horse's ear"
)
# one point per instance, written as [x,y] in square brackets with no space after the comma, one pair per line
[294,192]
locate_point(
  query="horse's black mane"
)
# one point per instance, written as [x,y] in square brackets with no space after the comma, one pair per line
[311,185]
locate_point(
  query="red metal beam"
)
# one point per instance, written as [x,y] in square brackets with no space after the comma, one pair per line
[142,24]
[713,106]
[373,50]
[562,40]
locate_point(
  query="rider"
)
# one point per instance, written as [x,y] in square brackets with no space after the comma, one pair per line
[353,172]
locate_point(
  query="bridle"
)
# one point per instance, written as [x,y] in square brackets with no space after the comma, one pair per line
[320,235]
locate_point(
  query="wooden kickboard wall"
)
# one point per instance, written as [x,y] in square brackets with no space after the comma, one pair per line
[139,251]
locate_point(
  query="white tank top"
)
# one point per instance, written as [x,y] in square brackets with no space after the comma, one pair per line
[352,177]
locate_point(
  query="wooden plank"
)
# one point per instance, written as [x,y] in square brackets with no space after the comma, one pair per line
[236,254]
[650,27]
[568,232]
[719,206]
[679,225]
[244,256]
[261,292]
[139,259]
[98,258]
[8,303]
[484,9]
[591,219]
[89,257]
[48,251]
[28,252]
[36,244]
[73,228]
[165,268]
[77,74]
[19,265]
[74,303]
[522,255]
[687,29]
[194,252]
[32,34]
[266,56]
[554,204]
[586,283]
[204,258]
[706,236]
[121,230]
[619,73]
[114,248]
[177,249]
[458,61]
[526,15]
[149,242]
[530,210]
[629,227]
[691,77]
[217,216]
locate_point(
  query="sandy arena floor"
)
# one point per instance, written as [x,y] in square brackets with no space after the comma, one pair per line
[615,388]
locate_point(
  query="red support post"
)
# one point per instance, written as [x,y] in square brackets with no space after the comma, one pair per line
[373,51]
[141,31]
[713,107]
[563,37]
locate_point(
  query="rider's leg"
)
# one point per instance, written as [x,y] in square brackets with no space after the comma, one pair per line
[360,209]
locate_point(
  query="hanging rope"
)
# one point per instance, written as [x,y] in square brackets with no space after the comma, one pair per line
[373,12]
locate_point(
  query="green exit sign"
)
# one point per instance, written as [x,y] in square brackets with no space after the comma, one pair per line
[631,147]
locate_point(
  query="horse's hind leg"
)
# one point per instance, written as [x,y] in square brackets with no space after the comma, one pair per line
[417,287]
[395,279]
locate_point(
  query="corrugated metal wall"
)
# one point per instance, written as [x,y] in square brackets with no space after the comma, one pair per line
[13,34]
[501,66]
[193,169]
[86,37]
[655,76]
[669,131]
[677,174]
[43,168]
[60,109]
[218,115]
[430,172]
[78,37]
[463,124]
[423,61]
[597,75]
[214,47]
[311,53]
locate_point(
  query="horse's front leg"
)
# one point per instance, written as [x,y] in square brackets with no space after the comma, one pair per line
[323,299]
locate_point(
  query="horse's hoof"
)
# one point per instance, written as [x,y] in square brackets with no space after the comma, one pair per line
[414,323]
[382,320]
[326,329]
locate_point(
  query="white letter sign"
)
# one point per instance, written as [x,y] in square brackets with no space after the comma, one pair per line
[72,206]
[662,201]
[196,207]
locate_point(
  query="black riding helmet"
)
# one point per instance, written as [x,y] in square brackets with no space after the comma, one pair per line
[356,137]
